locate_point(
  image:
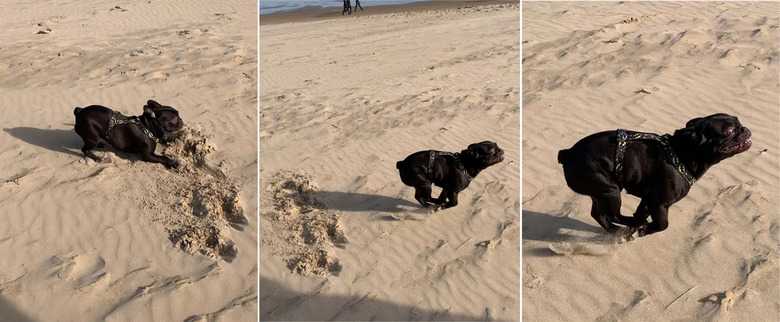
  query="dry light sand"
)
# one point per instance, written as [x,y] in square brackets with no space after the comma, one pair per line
[341,101]
[651,66]
[126,240]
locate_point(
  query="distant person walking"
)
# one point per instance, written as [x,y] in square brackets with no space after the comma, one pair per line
[357,4]
[347,8]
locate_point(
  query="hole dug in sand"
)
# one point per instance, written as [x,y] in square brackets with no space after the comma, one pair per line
[306,223]
[203,197]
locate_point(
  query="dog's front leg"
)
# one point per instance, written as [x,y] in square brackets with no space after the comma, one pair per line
[168,162]
[660,215]
[452,198]
[638,220]
[442,198]
[149,156]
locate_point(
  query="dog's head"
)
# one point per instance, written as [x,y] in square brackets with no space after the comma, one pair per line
[483,154]
[715,137]
[166,118]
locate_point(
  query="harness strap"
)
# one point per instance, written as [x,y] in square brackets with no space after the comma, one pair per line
[112,121]
[432,154]
[622,140]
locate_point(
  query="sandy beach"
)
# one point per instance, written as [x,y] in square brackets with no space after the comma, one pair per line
[123,239]
[318,225]
[341,100]
[651,67]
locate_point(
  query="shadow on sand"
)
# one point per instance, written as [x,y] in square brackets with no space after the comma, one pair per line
[64,141]
[279,303]
[350,201]
[8,312]
[548,228]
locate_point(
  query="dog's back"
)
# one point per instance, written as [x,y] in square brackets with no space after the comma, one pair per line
[92,113]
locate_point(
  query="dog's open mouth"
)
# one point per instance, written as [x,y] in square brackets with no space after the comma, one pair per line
[738,147]
[496,158]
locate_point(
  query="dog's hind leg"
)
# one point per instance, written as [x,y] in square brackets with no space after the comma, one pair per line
[89,145]
[423,195]
[606,206]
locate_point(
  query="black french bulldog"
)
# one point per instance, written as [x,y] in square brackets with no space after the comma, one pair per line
[451,171]
[158,124]
[658,169]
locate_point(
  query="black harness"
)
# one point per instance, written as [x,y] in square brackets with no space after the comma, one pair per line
[433,154]
[112,121]
[622,140]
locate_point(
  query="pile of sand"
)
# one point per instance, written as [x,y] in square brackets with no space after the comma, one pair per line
[205,199]
[196,202]
[306,223]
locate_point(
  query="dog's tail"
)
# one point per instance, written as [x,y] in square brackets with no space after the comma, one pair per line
[398,164]
[562,156]
[77,110]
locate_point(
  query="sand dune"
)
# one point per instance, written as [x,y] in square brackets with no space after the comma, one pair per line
[102,241]
[341,101]
[650,66]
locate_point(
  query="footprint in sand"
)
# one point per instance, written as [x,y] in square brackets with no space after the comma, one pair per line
[408,216]
[85,270]
[616,312]
[567,249]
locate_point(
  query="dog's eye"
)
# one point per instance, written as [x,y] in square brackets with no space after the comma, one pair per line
[729,130]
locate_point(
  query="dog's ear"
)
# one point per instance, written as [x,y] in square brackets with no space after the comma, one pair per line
[153,104]
[470,154]
[699,120]
[692,134]
[694,122]
[148,110]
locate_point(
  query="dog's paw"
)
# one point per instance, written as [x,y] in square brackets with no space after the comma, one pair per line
[98,160]
[613,230]
[629,233]
[642,231]
[630,236]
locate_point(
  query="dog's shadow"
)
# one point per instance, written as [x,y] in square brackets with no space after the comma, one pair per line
[63,141]
[553,229]
[361,202]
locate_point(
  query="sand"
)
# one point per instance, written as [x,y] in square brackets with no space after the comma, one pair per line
[341,101]
[126,240]
[650,66]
